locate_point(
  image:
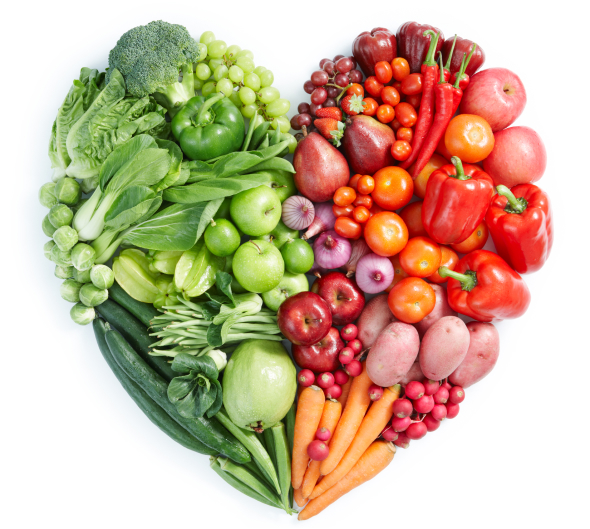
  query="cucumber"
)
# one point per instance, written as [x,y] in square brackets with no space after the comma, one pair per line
[137,335]
[144,312]
[208,431]
[153,412]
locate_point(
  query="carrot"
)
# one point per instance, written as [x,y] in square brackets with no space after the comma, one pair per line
[375,420]
[309,412]
[299,499]
[373,461]
[356,406]
[329,420]
[345,391]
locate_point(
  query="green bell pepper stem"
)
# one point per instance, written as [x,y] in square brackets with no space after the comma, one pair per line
[459,168]
[468,280]
[205,108]
[514,205]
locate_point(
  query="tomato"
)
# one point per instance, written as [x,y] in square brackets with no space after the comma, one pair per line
[344,196]
[354,181]
[395,125]
[347,228]
[373,86]
[435,162]
[412,84]
[441,149]
[383,72]
[355,89]
[365,185]
[476,241]
[385,113]
[400,68]
[420,257]
[405,134]
[370,106]
[469,137]
[398,272]
[393,188]
[411,299]
[386,233]
[361,214]
[406,114]
[363,200]
[374,209]
[342,211]
[390,95]
[414,100]
[401,150]
[449,259]
[412,215]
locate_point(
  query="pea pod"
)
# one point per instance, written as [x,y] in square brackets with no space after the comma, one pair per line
[196,269]
[265,142]
[132,272]
[282,461]
[258,135]
[276,136]
[248,138]
[276,163]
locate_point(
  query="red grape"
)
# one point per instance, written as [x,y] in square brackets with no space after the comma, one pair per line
[303,108]
[309,87]
[338,57]
[329,68]
[341,80]
[304,119]
[319,95]
[333,91]
[330,102]
[323,61]
[356,76]
[313,108]
[344,65]
[319,78]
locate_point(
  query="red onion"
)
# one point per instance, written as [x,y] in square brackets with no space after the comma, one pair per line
[332,251]
[298,212]
[374,273]
[359,249]
[324,220]
[316,269]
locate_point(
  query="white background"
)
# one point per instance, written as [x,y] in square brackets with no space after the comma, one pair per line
[75,450]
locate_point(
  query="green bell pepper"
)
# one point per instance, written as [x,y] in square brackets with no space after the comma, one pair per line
[208,127]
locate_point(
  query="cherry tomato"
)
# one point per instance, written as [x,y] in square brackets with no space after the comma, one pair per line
[373,86]
[385,113]
[414,100]
[386,233]
[401,150]
[405,134]
[393,188]
[412,84]
[400,68]
[398,272]
[390,95]
[355,89]
[406,114]
[342,211]
[412,215]
[420,257]
[366,184]
[469,137]
[411,300]
[370,107]
[476,241]
[347,227]
[361,214]
[435,162]
[344,196]
[363,200]
[449,259]
[354,181]
[374,209]
[383,72]
[398,86]
[395,125]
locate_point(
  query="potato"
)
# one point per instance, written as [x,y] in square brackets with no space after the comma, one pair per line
[443,347]
[441,309]
[415,373]
[375,317]
[482,355]
[393,354]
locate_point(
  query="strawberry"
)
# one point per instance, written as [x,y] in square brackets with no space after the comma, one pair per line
[331,129]
[352,105]
[329,112]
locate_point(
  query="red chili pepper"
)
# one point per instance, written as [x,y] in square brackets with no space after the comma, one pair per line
[447,68]
[521,225]
[463,83]
[461,80]
[456,200]
[483,287]
[429,72]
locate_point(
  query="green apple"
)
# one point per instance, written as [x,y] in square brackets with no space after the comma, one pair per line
[290,285]
[258,266]
[281,182]
[236,288]
[280,235]
[221,237]
[256,211]
[298,256]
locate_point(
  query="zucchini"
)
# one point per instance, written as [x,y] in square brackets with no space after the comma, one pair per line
[144,312]
[153,412]
[208,431]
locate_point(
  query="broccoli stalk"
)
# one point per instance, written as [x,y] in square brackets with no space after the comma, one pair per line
[173,96]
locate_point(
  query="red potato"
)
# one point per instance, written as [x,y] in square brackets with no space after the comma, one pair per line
[441,309]
[393,354]
[482,355]
[443,347]
[375,317]
[415,373]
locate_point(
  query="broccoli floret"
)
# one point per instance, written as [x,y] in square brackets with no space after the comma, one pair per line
[151,57]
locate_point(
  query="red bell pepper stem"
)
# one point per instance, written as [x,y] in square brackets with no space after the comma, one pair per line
[468,280]
[515,205]
[447,68]
[459,169]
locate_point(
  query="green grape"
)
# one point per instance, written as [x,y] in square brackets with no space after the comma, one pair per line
[214,63]
[281,122]
[208,88]
[266,78]
[198,83]
[235,99]
[248,111]
[246,64]
[245,53]
[259,70]
[225,86]
[221,72]
[216,49]
[203,72]
[279,107]
[236,74]
[268,95]
[291,139]
[207,37]
[247,95]
[252,81]
[202,52]
[232,51]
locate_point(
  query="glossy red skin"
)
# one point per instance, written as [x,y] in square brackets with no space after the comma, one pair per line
[412,45]
[320,168]
[463,46]
[295,314]
[322,356]
[344,298]
[523,240]
[453,208]
[367,144]
[371,47]
[500,292]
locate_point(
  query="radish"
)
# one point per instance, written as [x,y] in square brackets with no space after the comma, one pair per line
[403,441]
[430,386]
[354,368]
[414,390]
[325,380]
[355,345]
[441,396]
[323,434]
[400,425]
[439,412]
[375,392]
[306,378]
[431,423]
[333,392]
[457,395]
[452,410]
[346,355]
[389,434]
[416,431]
[317,450]
[424,404]
[349,332]
[402,408]
[340,377]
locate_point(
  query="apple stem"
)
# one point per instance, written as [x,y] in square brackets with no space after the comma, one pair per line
[268,211]
[257,247]
[213,222]
[459,168]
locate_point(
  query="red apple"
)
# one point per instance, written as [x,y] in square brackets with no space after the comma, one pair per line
[321,356]
[518,157]
[495,94]
[343,296]
[304,318]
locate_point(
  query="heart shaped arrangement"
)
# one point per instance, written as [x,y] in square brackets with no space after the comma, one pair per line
[176,224]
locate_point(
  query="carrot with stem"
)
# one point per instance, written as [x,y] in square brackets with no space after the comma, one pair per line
[373,461]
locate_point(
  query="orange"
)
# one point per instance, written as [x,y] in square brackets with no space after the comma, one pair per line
[469,137]
[393,188]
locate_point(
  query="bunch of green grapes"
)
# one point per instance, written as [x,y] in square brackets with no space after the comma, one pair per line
[231,70]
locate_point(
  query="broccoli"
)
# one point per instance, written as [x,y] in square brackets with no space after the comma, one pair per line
[151,57]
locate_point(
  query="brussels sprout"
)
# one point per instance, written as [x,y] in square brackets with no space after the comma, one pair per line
[47,247]
[63,272]
[47,195]
[81,314]
[60,215]
[92,296]
[168,292]
[68,191]
[164,262]
[82,276]
[88,185]
[83,256]
[47,227]
[65,237]
[70,290]
[102,276]
[61,258]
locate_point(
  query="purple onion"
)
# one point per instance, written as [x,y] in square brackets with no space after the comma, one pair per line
[324,220]
[374,273]
[331,250]
[359,249]
[297,212]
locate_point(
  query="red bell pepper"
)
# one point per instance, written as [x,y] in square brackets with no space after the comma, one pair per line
[456,200]
[485,288]
[521,225]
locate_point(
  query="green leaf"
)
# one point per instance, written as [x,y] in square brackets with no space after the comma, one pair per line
[204,398]
[130,206]
[216,406]
[147,168]
[184,363]
[214,335]
[174,172]
[210,309]
[198,170]
[223,283]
